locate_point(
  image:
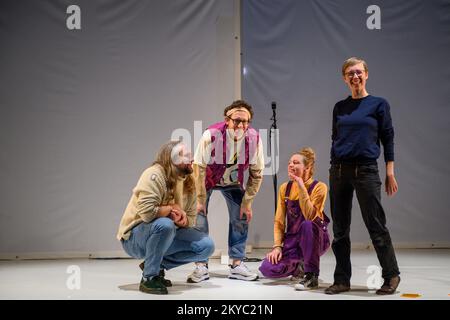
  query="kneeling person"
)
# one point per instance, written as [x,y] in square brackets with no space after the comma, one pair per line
[299,245]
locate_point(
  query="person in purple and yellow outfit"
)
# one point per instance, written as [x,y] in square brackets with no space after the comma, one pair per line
[300,228]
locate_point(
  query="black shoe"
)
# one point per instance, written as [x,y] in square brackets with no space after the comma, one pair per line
[337,288]
[299,272]
[389,286]
[154,286]
[310,281]
[162,274]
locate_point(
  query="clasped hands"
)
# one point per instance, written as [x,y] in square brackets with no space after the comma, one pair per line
[178,216]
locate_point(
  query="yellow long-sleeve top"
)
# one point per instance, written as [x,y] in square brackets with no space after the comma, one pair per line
[311,205]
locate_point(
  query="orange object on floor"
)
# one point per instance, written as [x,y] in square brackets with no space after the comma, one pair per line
[410,295]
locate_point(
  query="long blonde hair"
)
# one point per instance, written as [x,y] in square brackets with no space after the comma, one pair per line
[309,158]
[164,159]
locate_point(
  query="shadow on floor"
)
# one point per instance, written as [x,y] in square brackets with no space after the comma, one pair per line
[279,282]
[218,275]
[357,291]
[177,287]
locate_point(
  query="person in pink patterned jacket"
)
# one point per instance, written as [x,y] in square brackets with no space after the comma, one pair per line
[226,151]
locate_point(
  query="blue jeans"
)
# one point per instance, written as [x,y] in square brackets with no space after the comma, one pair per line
[163,246]
[237,228]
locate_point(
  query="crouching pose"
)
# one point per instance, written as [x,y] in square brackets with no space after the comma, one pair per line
[157,225]
[300,229]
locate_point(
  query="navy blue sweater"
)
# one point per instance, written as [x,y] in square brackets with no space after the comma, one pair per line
[358,127]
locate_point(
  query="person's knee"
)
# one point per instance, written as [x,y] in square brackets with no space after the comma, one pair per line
[341,233]
[265,268]
[240,226]
[208,246]
[204,247]
[381,240]
[265,265]
[164,225]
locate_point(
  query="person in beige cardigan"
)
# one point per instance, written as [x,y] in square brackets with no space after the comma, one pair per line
[158,222]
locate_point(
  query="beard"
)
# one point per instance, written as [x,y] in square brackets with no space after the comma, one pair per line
[184,170]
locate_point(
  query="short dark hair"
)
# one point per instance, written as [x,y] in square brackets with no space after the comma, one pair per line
[239,104]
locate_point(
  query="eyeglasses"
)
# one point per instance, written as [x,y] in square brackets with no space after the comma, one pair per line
[351,74]
[236,122]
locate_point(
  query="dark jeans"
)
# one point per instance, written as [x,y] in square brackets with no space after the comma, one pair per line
[365,180]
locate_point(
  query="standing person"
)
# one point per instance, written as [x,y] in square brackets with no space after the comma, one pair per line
[360,123]
[226,151]
[158,222]
[300,228]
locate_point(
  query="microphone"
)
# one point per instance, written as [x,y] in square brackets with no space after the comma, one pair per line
[274,116]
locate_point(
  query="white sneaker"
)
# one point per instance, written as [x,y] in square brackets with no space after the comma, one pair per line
[200,273]
[241,272]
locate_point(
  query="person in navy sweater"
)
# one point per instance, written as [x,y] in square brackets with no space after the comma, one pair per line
[360,123]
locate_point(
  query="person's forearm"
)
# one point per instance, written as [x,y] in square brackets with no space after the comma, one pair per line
[279,225]
[164,211]
[253,185]
[306,205]
[278,235]
[390,168]
[199,177]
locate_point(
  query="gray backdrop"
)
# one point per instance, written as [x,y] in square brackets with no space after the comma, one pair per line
[293,52]
[84,111]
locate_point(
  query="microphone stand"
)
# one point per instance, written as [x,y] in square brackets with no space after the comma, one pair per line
[272,127]
[272,154]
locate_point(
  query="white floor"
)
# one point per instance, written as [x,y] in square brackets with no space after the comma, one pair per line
[425,272]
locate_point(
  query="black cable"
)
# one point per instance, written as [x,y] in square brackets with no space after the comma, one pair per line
[247,259]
